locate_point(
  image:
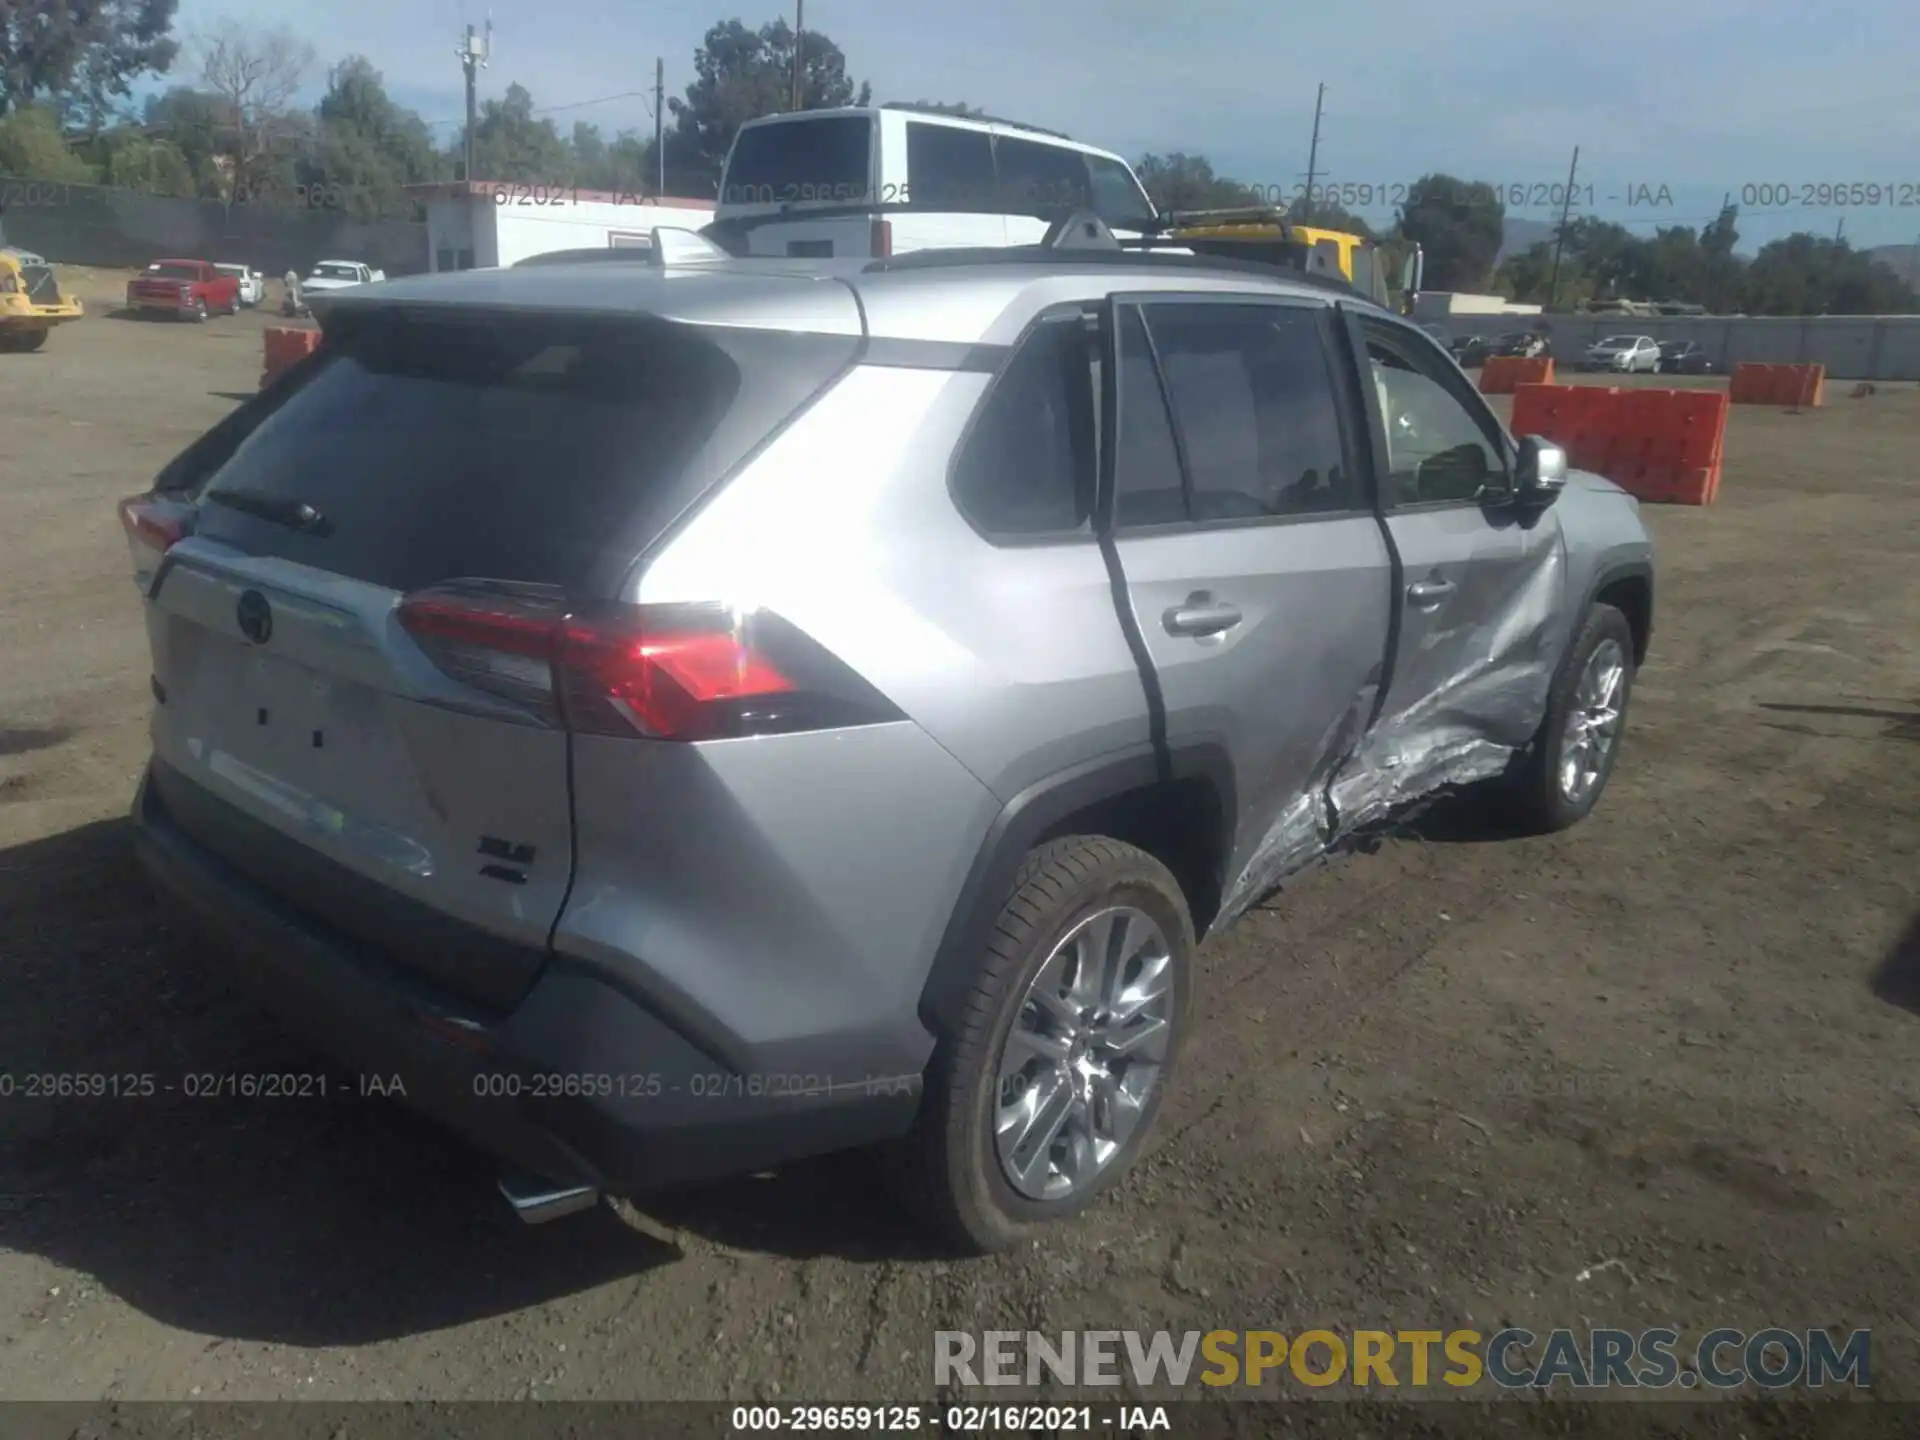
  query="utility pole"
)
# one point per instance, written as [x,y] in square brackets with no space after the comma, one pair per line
[660,119]
[1313,147]
[1837,229]
[1560,232]
[1913,262]
[473,55]
[799,29]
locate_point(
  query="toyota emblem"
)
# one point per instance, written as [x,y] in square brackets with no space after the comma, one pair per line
[256,617]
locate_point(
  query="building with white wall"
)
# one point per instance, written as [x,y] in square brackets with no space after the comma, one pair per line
[481,223]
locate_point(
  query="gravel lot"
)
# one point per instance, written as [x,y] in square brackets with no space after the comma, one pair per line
[1437,1083]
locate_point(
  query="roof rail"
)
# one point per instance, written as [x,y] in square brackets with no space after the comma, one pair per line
[918,107]
[1125,256]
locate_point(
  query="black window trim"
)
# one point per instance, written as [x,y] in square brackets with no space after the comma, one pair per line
[1353,453]
[1086,314]
[1451,378]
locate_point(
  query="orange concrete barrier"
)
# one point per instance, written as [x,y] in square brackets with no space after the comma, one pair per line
[1660,445]
[285,347]
[1804,387]
[1503,373]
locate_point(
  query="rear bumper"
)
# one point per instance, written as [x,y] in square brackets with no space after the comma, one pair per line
[580,1083]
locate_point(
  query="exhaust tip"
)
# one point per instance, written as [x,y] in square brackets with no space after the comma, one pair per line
[536,1200]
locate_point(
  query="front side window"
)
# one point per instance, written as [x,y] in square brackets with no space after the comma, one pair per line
[1117,196]
[1032,176]
[1437,449]
[1027,468]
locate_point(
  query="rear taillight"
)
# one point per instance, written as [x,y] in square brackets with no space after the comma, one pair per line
[154,524]
[881,240]
[153,528]
[664,672]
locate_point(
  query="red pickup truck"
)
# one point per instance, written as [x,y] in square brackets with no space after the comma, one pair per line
[186,289]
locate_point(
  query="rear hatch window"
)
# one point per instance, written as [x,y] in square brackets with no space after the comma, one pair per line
[540,449]
[794,162]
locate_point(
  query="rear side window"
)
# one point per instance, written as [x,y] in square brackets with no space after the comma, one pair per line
[1256,410]
[828,159]
[949,168]
[1027,467]
[519,448]
[1033,176]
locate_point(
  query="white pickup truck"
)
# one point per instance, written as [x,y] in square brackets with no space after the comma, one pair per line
[339,274]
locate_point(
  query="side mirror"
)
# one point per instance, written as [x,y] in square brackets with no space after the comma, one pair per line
[1542,470]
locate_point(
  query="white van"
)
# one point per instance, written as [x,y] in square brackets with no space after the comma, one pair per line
[871,181]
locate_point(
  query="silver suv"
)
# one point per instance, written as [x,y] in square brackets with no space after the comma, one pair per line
[685,716]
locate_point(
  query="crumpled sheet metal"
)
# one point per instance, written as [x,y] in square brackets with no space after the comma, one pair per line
[1468,730]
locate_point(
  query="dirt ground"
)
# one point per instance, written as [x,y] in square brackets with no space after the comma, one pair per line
[1659,1069]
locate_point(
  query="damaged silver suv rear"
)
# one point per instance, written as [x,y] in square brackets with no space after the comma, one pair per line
[818,705]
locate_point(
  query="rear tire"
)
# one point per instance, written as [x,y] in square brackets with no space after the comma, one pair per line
[32,340]
[961,1171]
[1563,775]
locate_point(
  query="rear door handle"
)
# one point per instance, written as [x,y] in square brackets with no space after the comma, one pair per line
[1426,594]
[1200,615]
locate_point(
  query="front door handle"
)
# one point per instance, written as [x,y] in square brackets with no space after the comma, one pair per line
[1201,614]
[1427,594]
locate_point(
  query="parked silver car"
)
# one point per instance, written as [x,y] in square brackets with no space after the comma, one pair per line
[690,717]
[1629,354]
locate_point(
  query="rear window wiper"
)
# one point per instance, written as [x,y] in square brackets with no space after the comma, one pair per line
[278,509]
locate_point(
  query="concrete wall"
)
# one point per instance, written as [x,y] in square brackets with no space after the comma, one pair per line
[1852,347]
[93,225]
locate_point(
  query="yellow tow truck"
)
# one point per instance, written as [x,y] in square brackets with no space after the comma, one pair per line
[1266,234]
[30,301]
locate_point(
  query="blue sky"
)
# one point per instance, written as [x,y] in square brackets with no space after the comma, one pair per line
[1702,97]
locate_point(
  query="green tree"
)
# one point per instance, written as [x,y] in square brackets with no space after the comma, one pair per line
[1720,270]
[256,73]
[131,161]
[1179,181]
[1809,275]
[512,143]
[625,164]
[742,74]
[1527,276]
[1459,224]
[190,120]
[368,146]
[81,54]
[32,147]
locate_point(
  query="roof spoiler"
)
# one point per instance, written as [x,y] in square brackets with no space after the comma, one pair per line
[676,245]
